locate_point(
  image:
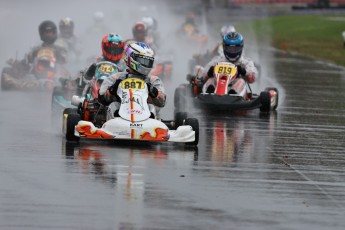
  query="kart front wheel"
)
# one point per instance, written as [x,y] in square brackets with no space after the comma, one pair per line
[182,96]
[179,101]
[71,121]
[70,111]
[179,118]
[194,123]
[265,100]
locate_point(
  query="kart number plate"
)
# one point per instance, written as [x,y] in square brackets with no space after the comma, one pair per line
[224,69]
[47,52]
[133,84]
[106,69]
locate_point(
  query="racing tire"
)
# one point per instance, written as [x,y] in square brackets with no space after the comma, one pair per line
[70,111]
[194,123]
[4,84]
[180,117]
[277,95]
[3,87]
[265,99]
[182,97]
[179,101]
[71,121]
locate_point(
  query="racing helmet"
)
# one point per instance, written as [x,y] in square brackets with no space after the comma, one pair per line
[112,47]
[150,22]
[226,29]
[139,57]
[139,31]
[48,32]
[98,17]
[66,27]
[190,18]
[233,46]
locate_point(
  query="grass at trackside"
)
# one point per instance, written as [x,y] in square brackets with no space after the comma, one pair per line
[317,36]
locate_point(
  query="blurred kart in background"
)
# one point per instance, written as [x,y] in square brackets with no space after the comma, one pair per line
[163,67]
[44,74]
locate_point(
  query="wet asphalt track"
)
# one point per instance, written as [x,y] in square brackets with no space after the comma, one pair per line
[283,171]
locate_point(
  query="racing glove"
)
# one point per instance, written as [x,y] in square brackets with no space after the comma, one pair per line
[210,71]
[102,100]
[90,72]
[153,91]
[113,89]
[241,71]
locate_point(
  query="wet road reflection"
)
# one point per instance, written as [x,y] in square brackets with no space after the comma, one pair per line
[125,171]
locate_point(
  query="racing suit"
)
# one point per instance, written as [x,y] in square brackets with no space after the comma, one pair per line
[60,53]
[246,68]
[20,74]
[154,81]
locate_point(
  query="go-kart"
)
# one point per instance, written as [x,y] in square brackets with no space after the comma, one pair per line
[134,120]
[221,96]
[44,74]
[61,97]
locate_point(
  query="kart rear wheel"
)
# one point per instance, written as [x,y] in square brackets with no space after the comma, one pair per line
[265,99]
[180,118]
[194,123]
[276,92]
[71,121]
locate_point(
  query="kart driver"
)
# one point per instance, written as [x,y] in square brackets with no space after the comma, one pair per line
[20,75]
[67,38]
[139,58]
[203,59]
[232,49]
[48,34]
[112,51]
[140,34]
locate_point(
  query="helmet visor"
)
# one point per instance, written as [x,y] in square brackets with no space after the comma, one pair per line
[232,49]
[143,60]
[113,50]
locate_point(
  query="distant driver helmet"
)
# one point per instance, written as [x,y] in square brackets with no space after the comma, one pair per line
[227,29]
[48,32]
[150,22]
[139,31]
[66,27]
[98,17]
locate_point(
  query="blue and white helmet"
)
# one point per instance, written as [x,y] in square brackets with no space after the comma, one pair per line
[233,46]
[139,57]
